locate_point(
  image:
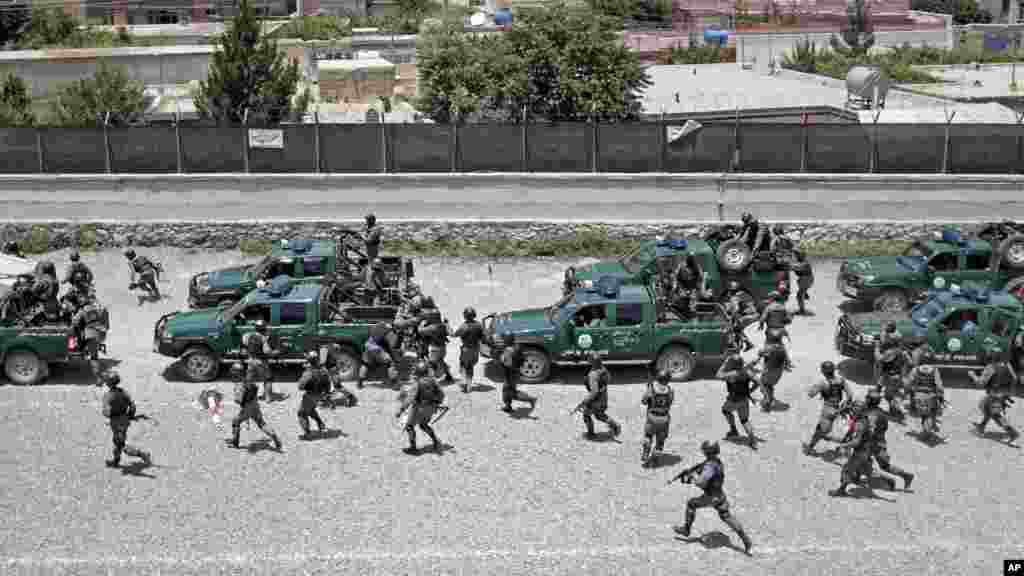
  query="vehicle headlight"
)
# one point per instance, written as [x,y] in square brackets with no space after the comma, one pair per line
[203,282]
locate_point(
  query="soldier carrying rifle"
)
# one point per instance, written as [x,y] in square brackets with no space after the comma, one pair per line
[709,476]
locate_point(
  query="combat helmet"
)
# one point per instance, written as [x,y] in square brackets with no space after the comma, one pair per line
[260,325]
[828,368]
[710,448]
[421,369]
[663,377]
[595,359]
[113,379]
[75,257]
[313,358]
[873,397]
[129,254]
[237,371]
[469,313]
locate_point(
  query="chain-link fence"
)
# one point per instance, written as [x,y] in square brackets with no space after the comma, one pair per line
[656,146]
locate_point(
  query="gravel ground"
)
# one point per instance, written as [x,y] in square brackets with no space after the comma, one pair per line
[511,496]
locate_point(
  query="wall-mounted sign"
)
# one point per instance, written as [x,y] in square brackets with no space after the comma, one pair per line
[263,138]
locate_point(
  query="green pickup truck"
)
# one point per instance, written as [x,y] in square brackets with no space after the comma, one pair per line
[27,352]
[631,332]
[757,280]
[949,328]
[894,283]
[301,260]
[300,317]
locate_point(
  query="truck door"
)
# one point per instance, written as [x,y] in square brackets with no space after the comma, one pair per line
[591,329]
[999,330]
[245,322]
[289,328]
[629,337]
[959,336]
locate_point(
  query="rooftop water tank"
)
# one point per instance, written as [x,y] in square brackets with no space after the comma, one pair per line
[716,36]
[860,86]
[503,17]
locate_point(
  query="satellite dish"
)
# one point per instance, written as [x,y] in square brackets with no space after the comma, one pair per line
[478,19]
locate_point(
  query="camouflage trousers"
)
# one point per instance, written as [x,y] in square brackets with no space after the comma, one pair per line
[119,431]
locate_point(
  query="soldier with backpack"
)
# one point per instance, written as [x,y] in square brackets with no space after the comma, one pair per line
[511,358]
[119,408]
[421,400]
[246,396]
[776,361]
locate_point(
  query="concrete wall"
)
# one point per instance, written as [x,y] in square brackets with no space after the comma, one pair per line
[764,47]
[565,197]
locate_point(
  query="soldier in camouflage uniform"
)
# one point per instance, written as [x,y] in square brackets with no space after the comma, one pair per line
[421,400]
[569,282]
[471,333]
[658,399]
[998,379]
[804,281]
[511,359]
[90,324]
[257,349]
[78,275]
[892,365]
[868,443]
[42,294]
[831,388]
[314,383]
[740,380]
[595,405]
[742,313]
[144,273]
[776,361]
[119,408]
[371,238]
[433,331]
[775,316]
[246,391]
[378,353]
[927,396]
[710,477]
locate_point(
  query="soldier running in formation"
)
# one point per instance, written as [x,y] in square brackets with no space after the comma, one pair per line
[927,396]
[595,405]
[775,316]
[740,381]
[371,238]
[471,333]
[422,400]
[892,364]
[804,281]
[776,361]
[742,313]
[511,359]
[144,274]
[709,476]
[831,388]
[258,350]
[868,442]
[78,275]
[378,353]
[433,331]
[998,379]
[119,408]
[314,383]
[246,392]
[658,399]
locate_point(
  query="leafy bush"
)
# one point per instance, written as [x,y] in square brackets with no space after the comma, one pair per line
[694,54]
[38,240]
[87,240]
[251,247]
[316,28]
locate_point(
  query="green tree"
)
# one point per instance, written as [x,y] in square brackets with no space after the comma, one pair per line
[248,73]
[110,90]
[559,63]
[13,20]
[963,11]
[49,27]
[858,35]
[15,103]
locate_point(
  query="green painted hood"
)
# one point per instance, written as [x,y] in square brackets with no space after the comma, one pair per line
[878,269]
[595,272]
[195,323]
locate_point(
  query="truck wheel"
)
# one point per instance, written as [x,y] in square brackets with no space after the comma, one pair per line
[734,255]
[678,361]
[1016,288]
[346,363]
[1013,251]
[891,301]
[535,367]
[199,365]
[24,368]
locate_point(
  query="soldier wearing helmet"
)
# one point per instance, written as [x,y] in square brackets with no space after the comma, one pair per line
[927,396]
[314,384]
[998,379]
[804,280]
[595,405]
[892,364]
[43,293]
[709,476]
[742,313]
[658,399]
[869,443]
[119,409]
[835,392]
[753,234]
[776,361]
[471,333]
[257,350]
[740,381]
[371,238]
[78,275]
[511,362]
[779,244]
[433,333]
[144,274]
[775,316]
[421,400]
[246,391]
[379,353]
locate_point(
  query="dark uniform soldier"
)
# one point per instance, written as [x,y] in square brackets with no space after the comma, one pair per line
[78,274]
[753,234]
[831,388]
[775,316]
[869,442]
[257,350]
[433,332]
[119,408]
[688,283]
[246,391]
[891,368]
[374,284]
[511,360]
[804,281]
[595,405]
[90,324]
[998,379]
[710,477]
[14,249]
[927,395]
[378,353]
[740,381]
[145,273]
[569,282]
[658,399]
[371,238]
[471,333]
[742,313]
[44,291]
[422,400]
[776,361]
[314,383]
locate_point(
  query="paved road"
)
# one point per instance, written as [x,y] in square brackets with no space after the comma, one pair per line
[523,495]
[584,197]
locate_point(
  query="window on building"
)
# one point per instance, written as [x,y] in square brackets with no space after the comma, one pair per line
[293,313]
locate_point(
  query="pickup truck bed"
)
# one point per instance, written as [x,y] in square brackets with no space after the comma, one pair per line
[27,352]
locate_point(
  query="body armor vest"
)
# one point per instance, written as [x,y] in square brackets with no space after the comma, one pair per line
[739,388]
[717,477]
[254,342]
[833,393]
[661,401]
[472,335]
[925,383]
[428,392]
[776,357]
[1002,378]
[777,316]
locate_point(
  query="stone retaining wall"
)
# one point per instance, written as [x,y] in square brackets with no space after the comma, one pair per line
[229,235]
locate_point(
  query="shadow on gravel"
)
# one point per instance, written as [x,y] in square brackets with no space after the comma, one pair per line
[428,449]
[522,413]
[262,445]
[712,541]
[137,469]
[77,373]
[602,437]
[996,436]
[664,460]
[482,388]
[574,374]
[929,440]
[329,434]
[779,406]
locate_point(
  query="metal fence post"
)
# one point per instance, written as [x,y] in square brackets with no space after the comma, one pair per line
[245,140]
[803,142]
[106,141]
[524,149]
[177,142]
[316,141]
[593,145]
[453,146]
[947,143]
[385,141]
[662,141]
[873,166]
[735,164]
[39,150]
[1020,144]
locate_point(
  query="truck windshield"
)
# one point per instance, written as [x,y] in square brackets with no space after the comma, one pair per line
[257,269]
[639,258]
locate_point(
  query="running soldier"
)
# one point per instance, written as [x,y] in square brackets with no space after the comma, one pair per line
[927,396]
[869,442]
[422,400]
[119,408]
[90,324]
[144,274]
[78,275]
[314,383]
[998,379]
[742,313]
[433,332]
[257,349]
[511,360]
[775,316]
[371,238]
[246,391]
[595,405]
[658,399]
[776,361]
[740,381]
[378,353]
[804,281]
[831,388]
[709,476]
[471,333]
[891,368]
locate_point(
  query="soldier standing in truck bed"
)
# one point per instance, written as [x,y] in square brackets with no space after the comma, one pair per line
[371,238]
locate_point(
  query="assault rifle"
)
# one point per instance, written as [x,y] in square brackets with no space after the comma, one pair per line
[579,408]
[139,417]
[686,475]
